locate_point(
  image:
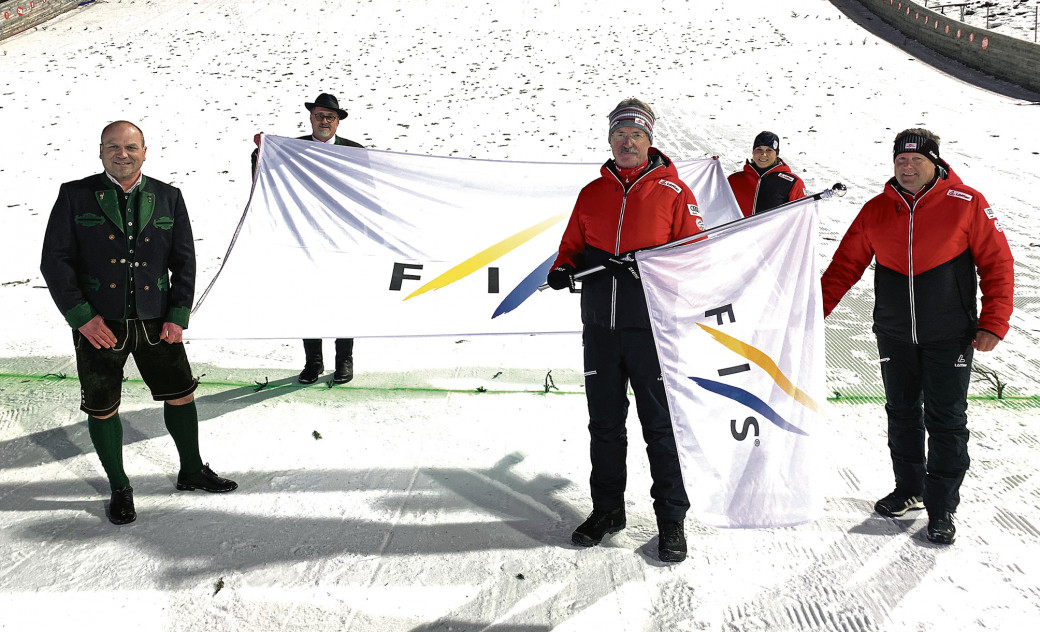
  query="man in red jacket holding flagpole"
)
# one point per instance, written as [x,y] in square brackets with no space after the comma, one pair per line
[637,202]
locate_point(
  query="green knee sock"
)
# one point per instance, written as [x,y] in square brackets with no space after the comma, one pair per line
[183,424]
[107,437]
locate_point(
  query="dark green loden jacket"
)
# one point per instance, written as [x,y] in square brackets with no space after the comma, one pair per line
[86,259]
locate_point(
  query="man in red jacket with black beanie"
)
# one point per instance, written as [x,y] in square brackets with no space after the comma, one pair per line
[930,235]
[637,202]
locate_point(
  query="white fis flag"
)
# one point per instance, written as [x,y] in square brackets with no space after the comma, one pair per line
[346,242]
[738,322]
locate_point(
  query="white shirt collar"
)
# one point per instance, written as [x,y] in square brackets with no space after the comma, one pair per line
[331,141]
[139,176]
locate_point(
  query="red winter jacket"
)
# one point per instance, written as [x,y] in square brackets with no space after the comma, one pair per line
[607,220]
[927,253]
[759,193]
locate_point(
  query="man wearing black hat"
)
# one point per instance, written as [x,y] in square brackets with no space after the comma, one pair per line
[637,202]
[119,261]
[766,181]
[325,117]
[934,241]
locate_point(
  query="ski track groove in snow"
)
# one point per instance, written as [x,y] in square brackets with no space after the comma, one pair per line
[1013,521]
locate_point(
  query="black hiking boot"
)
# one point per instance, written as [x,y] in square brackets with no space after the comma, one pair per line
[671,541]
[941,529]
[598,524]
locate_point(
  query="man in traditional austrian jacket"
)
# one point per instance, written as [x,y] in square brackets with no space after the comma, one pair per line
[119,261]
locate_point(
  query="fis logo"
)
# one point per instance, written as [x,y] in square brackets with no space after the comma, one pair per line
[744,397]
[404,271]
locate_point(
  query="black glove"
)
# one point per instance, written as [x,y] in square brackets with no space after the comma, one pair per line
[561,277]
[622,264]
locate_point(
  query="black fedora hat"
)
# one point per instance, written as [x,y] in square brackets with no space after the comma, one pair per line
[327,101]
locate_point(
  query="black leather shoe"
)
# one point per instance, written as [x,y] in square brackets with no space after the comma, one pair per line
[941,529]
[598,524]
[671,541]
[311,371]
[121,509]
[206,480]
[344,371]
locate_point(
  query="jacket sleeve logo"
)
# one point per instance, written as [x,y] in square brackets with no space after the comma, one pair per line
[671,185]
[694,209]
[959,194]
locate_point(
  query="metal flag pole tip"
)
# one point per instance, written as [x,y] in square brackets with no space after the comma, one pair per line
[838,190]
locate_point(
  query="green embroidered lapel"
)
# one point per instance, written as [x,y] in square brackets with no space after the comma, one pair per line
[145,204]
[109,204]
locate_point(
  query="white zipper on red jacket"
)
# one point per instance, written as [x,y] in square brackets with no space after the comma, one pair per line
[758,185]
[617,239]
[910,255]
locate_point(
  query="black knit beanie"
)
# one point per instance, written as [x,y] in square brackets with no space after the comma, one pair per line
[927,147]
[767,139]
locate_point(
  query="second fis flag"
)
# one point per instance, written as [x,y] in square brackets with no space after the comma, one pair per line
[738,324]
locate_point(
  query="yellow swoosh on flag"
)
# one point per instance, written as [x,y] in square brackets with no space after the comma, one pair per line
[484,257]
[761,359]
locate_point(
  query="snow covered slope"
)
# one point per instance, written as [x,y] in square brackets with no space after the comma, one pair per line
[410,500]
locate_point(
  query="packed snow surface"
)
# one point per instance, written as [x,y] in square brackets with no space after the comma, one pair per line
[438,490]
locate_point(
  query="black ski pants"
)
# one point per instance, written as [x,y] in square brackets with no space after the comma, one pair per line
[926,392]
[613,358]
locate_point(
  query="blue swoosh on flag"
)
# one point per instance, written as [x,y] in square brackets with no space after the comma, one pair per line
[741,396]
[525,289]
